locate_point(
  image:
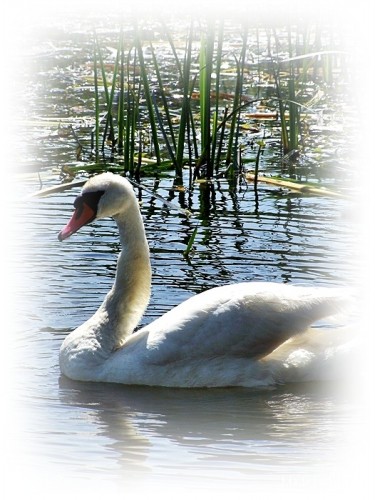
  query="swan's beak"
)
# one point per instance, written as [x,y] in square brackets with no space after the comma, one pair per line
[82,215]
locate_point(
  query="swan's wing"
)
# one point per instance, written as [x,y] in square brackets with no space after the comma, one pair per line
[243,320]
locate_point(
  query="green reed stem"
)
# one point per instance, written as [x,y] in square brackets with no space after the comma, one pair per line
[234,128]
[129,119]
[221,138]
[205,75]
[147,94]
[256,171]
[293,107]
[190,244]
[162,128]
[293,116]
[171,43]
[121,98]
[279,95]
[186,109]
[219,52]
[236,102]
[109,120]
[97,111]
[164,100]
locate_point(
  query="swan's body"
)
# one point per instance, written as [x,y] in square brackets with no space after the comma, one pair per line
[235,335]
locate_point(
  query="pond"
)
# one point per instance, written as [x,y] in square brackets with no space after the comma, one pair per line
[112,438]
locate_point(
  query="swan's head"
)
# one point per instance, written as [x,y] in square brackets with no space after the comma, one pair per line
[104,195]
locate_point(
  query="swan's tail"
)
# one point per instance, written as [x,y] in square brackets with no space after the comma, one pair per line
[327,351]
[332,301]
[319,354]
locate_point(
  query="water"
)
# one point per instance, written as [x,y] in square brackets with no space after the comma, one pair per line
[211,437]
[118,438]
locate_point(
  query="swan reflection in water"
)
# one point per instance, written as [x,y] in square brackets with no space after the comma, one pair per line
[217,434]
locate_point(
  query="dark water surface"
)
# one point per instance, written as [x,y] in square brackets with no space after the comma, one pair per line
[294,436]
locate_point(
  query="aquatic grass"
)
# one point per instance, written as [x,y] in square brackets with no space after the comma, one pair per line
[96,135]
[261,145]
[280,99]
[232,147]
[175,146]
[219,55]
[132,113]
[147,96]
[220,139]
[108,95]
[170,147]
[294,129]
[166,109]
[121,95]
[211,144]
[205,75]
[290,74]
[205,128]
[186,112]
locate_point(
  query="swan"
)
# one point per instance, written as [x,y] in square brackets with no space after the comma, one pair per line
[234,335]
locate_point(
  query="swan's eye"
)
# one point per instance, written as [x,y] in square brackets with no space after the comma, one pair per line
[86,209]
[78,202]
[78,205]
[90,199]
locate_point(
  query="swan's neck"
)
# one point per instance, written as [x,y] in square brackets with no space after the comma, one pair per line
[125,304]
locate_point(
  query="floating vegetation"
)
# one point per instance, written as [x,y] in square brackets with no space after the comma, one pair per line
[294,185]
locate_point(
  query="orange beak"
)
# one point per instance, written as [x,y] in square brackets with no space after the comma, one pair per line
[81,216]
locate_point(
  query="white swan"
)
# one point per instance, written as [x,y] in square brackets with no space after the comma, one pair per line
[226,336]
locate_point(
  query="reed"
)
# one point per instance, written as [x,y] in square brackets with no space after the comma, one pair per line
[207,134]
[208,150]
[186,114]
[95,142]
[147,96]
[107,136]
[308,61]
[121,94]
[190,243]
[232,146]
[131,98]
[215,153]
[171,141]
[205,76]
